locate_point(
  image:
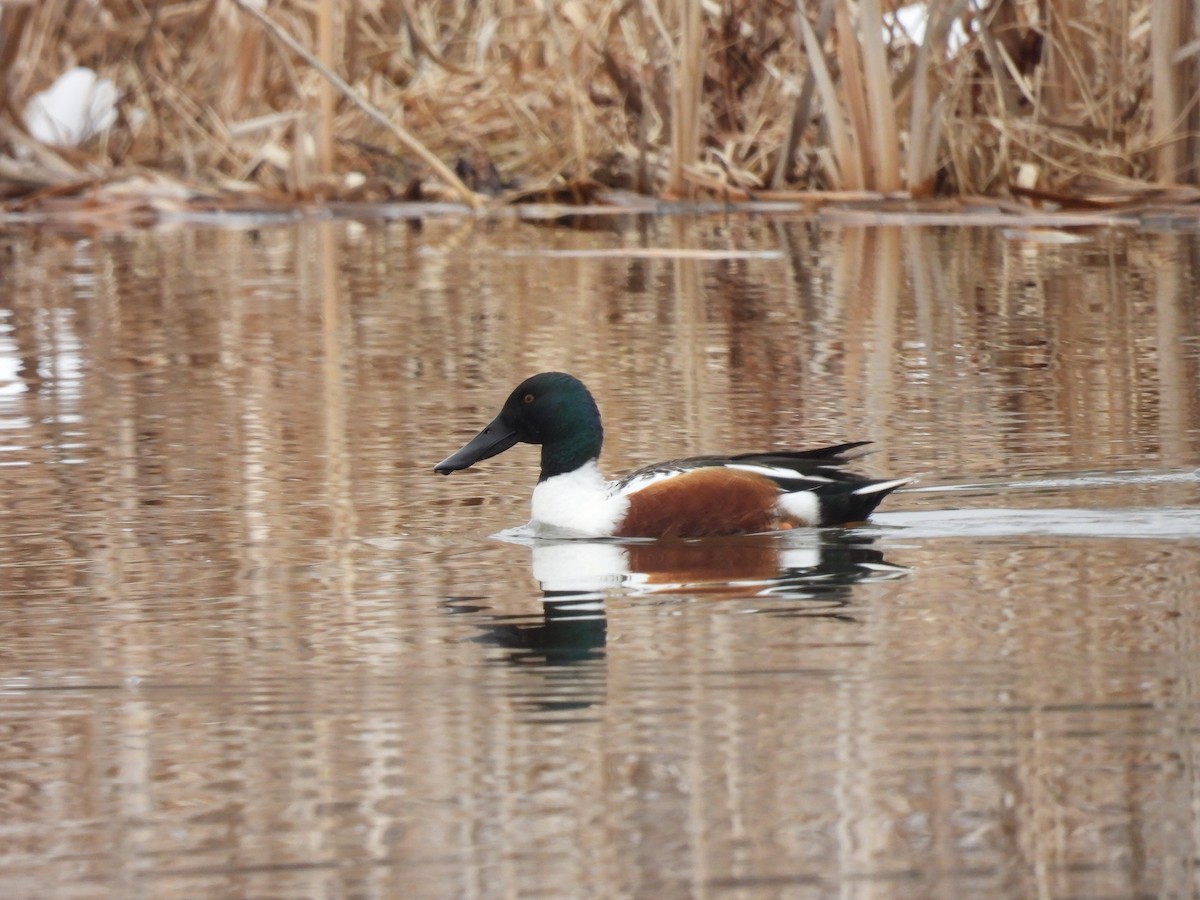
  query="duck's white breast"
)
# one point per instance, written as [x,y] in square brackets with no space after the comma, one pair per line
[577,504]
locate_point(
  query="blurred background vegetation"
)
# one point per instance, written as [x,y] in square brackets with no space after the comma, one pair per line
[1081,100]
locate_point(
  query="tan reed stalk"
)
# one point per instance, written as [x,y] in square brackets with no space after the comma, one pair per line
[1063,18]
[246,65]
[855,93]
[689,81]
[325,93]
[847,171]
[13,25]
[1166,36]
[644,112]
[885,139]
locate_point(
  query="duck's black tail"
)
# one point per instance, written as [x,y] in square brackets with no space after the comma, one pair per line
[843,502]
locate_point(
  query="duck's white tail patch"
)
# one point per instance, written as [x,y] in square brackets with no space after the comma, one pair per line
[883,486]
[802,506]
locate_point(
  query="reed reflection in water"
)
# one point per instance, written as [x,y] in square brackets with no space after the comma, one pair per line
[254,646]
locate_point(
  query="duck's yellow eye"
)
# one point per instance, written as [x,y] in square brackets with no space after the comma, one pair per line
[528,398]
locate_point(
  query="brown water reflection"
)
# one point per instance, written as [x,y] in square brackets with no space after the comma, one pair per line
[253,646]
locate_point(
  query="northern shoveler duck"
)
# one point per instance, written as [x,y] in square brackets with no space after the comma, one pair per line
[698,497]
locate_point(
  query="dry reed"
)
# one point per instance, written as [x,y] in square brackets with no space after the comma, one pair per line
[380,99]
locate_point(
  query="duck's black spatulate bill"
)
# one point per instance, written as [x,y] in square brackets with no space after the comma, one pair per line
[494,439]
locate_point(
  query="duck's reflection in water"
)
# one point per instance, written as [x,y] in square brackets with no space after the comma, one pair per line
[802,573]
[813,569]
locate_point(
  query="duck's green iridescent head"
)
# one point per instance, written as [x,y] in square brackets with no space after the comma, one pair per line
[552,409]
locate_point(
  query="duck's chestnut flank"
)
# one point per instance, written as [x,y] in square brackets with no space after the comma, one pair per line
[696,497]
[704,502]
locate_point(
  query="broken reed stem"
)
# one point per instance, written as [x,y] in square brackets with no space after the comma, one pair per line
[440,169]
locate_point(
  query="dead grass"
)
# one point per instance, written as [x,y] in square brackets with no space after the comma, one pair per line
[382,99]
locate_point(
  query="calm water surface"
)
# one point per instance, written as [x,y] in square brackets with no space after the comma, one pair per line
[253,646]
